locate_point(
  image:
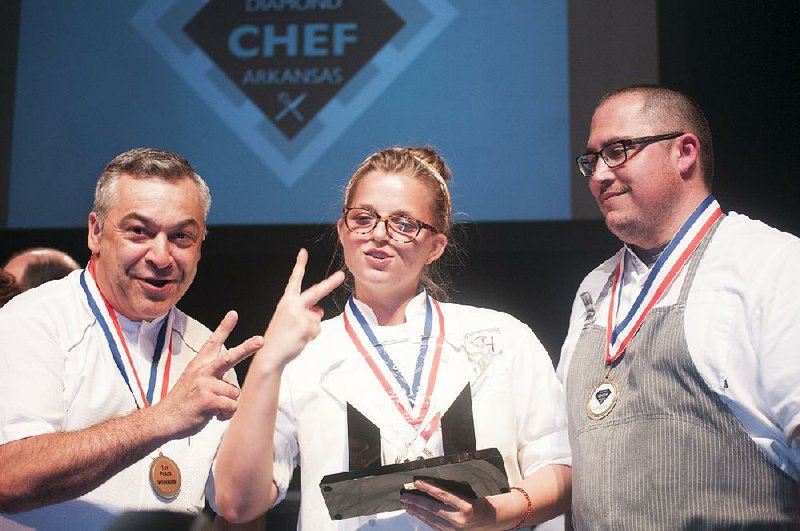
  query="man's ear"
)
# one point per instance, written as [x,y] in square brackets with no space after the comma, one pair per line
[688,155]
[95,232]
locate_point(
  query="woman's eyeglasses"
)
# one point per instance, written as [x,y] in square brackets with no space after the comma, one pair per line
[403,229]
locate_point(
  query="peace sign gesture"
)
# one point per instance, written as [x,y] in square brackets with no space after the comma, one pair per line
[201,392]
[297,317]
[245,486]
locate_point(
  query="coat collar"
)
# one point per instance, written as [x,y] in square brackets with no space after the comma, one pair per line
[349,378]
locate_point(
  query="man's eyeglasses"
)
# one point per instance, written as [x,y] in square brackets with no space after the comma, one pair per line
[399,228]
[616,153]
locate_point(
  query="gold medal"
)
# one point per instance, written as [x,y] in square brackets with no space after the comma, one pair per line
[602,400]
[165,477]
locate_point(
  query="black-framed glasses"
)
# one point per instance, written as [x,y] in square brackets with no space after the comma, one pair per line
[616,153]
[403,229]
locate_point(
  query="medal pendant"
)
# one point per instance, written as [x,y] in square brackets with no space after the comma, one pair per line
[165,477]
[602,400]
[426,454]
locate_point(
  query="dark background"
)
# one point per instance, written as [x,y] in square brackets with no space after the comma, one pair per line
[740,60]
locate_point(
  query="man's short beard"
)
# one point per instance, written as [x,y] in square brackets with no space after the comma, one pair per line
[630,230]
[644,231]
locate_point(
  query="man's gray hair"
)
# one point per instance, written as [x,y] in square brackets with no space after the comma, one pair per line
[145,163]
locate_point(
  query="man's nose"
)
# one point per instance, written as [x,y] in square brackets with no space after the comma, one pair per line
[601,171]
[159,252]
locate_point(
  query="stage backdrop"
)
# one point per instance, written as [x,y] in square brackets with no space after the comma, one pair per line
[275,102]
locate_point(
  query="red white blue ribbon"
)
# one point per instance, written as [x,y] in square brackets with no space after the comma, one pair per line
[664,271]
[386,373]
[107,318]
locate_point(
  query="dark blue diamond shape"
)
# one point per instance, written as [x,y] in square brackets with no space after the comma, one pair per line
[292,57]
[602,394]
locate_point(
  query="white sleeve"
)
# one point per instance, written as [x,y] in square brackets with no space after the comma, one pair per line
[285,445]
[774,321]
[539,406]
[31,375]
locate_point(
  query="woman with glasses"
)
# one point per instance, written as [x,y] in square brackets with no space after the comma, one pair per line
[399,375]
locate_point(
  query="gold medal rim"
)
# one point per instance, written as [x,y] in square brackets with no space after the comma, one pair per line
[160,490]
[598,416]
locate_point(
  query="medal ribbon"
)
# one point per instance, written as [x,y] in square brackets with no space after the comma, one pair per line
[411,393]
[659,278]
[387,387]
[117,342]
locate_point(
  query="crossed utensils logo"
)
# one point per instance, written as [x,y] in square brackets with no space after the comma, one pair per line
[290,106]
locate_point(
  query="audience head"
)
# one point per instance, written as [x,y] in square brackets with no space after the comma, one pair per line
[8,287]
[33,267]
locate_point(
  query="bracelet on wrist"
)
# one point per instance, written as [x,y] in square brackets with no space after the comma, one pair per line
[527,511]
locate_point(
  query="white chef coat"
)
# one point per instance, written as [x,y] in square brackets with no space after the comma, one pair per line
[742,326]
[517,402]
[57,374]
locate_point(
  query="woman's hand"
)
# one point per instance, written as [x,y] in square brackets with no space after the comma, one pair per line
[441,509]
[297,317]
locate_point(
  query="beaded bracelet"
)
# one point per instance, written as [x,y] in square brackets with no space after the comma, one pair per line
[527,511]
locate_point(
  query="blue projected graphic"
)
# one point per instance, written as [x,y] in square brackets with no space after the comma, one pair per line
[275,102]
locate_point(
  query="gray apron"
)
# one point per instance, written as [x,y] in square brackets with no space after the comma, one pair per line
[670,454]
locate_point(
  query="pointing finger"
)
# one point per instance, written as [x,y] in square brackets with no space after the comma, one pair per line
[298,271]
[214,343]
